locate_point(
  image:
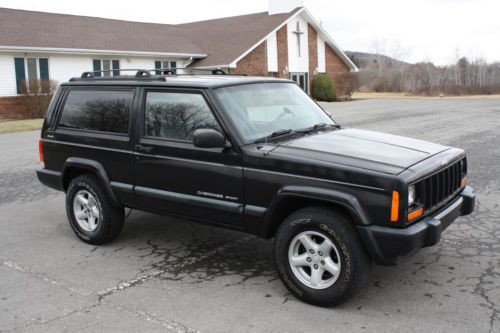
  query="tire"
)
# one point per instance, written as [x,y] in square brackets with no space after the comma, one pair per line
[98,221]
[324,279]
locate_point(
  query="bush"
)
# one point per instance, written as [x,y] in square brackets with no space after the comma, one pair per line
[347,84]
[36,96]
[323,88]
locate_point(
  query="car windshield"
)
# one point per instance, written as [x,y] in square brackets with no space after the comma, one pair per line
[262,109]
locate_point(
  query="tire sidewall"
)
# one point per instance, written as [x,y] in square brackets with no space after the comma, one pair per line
[81,183]
[332,230]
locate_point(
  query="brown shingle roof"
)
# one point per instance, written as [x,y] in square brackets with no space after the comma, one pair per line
[225,39]
[222,40]
[37,29]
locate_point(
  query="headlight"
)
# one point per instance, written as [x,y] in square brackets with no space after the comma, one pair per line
[411,195]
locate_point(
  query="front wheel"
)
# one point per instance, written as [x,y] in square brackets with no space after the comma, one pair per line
[319,256]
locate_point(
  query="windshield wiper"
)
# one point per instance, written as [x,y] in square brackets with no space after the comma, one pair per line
[317,127]
[274,135]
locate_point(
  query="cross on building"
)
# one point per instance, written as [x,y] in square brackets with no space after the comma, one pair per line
[298,33]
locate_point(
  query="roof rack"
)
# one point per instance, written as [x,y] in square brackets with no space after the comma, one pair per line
[140,73]
[160,74]
[173,71]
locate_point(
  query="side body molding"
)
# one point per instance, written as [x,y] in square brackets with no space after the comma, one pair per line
[96,168]
[342,199]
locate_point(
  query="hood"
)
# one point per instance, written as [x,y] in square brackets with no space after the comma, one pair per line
[375,151]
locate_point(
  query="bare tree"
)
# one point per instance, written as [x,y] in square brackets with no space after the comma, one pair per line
[36,96]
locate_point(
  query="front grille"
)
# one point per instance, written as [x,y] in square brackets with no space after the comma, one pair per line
[443,185]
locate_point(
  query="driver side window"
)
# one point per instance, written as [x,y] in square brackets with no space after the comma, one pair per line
[176,116]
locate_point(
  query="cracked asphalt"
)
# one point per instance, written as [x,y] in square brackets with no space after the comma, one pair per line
[165,274]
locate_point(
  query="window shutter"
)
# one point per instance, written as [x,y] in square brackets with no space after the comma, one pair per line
[158,65]
[20,73]
[116,65]
[173,66]
[97,66]
[44,68]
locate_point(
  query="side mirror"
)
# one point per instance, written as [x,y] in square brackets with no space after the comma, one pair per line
[208,138]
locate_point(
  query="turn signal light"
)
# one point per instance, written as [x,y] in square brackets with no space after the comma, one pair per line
[416,213]
[40,150]
[395,206]
[464,182]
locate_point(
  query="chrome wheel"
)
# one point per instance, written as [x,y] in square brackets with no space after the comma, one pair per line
[314,260]
[86,210]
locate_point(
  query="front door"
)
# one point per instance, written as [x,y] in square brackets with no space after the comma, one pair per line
[174,176]
[302,79]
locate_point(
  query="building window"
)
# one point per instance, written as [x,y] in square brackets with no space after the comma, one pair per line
[30,69]
[106,65]
[171,65]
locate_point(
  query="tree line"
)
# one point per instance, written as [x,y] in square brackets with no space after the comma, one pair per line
[380,73]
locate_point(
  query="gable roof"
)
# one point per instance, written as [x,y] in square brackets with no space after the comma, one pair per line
[225,39]
[214,43]
[22,28]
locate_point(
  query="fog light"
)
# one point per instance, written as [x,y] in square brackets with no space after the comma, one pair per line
[416,213]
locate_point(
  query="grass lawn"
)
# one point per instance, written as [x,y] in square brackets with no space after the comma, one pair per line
[9,126]
[388,95]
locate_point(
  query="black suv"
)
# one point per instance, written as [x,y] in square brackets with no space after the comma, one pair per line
[252,154]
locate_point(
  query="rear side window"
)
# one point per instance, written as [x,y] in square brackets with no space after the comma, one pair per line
[97,110]
[177,115]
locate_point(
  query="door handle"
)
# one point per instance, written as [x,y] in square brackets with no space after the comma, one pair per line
[143,149]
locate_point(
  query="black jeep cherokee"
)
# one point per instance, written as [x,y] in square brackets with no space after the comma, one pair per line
[252,154]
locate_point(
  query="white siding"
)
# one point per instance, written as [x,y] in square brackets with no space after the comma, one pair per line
[272,53]
[321,55]
[296,63]
[137,63]
[64,67]
[7,75]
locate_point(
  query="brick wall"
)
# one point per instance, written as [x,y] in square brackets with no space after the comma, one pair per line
[282,41]
[313,52]
[334,68]
[12,108]
[254,63]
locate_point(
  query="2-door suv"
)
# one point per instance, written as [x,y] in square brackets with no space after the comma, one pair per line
[252,154]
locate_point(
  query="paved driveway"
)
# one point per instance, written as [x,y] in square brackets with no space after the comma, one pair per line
[165,274]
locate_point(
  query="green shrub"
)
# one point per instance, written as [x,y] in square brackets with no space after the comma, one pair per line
[323,88]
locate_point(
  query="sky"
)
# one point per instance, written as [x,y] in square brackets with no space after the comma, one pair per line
[425,30]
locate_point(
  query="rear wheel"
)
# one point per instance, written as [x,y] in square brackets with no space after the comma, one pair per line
[319,256]
[91,214]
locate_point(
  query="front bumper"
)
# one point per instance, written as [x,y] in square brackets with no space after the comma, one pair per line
[386,245]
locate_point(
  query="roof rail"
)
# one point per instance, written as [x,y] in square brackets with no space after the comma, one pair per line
[173,71]
[146,74]
[139,73]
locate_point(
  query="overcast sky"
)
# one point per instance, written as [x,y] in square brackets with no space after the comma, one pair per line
[436,30]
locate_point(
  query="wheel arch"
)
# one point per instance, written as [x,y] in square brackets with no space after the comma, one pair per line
[76,166]
[292,198]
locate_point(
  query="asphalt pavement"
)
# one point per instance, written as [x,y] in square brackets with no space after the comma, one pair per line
[165,274]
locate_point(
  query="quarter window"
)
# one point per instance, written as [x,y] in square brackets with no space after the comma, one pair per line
[177,115]
[105,111]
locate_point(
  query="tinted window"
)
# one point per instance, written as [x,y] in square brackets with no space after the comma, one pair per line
[177,115]
[106,111]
